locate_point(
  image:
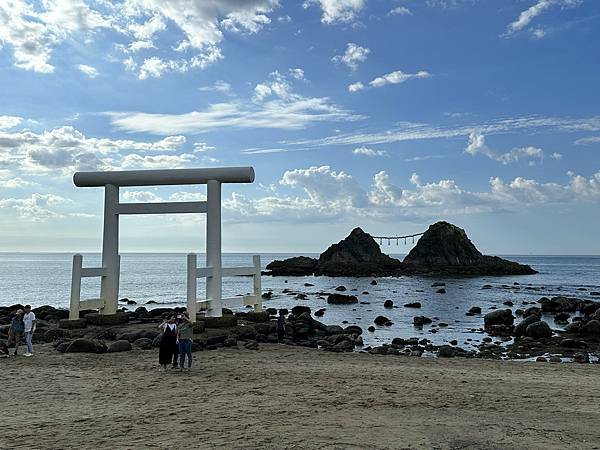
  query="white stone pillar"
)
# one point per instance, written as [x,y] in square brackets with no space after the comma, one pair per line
[192,294]
[109,287]
[213,248]
[75,287]
[257,283]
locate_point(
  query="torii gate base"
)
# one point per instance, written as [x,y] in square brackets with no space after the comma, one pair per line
[110,270]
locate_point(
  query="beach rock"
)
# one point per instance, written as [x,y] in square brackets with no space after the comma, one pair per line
[591,329]
[573,343]
[581,358]
[419,321]
[499,317]
[475,310]
[532,310]
[353,329]
[356,255]
[320,312]
[251,345]
[381,320]
[296,266]
[388,304]
[562,317]
[258,316]
[371,329]
[441,291]
[120,346]
[445,249]
[74,324]
[538,330]
[220,322]
[143,343]
[446,351]
[110,319]
[521,327]
[267,295]
[85,346]
[54,334]
[373,282]
[341,289]
[412,305]
[231,341]
[300,309]
[341,299]
[559,304]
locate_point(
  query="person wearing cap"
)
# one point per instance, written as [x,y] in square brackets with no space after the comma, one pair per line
[29,322]
[185,335]
[15,332]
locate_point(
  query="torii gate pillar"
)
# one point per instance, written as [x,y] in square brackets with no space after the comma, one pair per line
[213,246]
[109,286]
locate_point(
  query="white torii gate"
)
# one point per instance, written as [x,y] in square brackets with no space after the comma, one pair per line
[109,272]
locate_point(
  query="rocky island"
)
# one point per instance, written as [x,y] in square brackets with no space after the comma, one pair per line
[444,249]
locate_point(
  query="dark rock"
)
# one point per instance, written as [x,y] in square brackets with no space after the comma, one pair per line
[559,304]
[320,312]
[353,329]
[412,305]
[499,317]
[419,321]
[381,320]
[475,310]
[258,316]
[356,255]
[143,343]
[231,341]
[251,345]
[581,358]
[445,249]
[532,310]
[371,328]
[341,289]
[301,296]
[508,303]
[373,282]
[562,317]
[438,284]
[120,346]
[538,330]
[267,295]
[521,327]
[441,291]
[296,266]
[388,304]
[109,319]
[591,329]
[220,322]
[445,351]
[72,324]
[85,346]
[341,299]
[300,309]
[54,334]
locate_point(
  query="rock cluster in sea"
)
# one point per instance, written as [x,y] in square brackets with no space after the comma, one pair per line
[444,249]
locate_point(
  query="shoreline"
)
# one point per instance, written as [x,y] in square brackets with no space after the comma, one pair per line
[293,397]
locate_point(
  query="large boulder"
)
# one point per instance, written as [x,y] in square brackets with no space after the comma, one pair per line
[591,329]
[522,326]
[498,317]
[85,346]
[119,346]
[538,330]
[445,249]
[356,255]
[296,266]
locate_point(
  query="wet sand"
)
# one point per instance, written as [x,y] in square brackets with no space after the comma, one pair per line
[293,398]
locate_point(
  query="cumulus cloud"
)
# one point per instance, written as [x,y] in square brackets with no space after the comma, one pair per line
[67,149]
[323,194]
[366,151]
[400,11]
[36,208]
[355,87]
[7,122]
[218,86]
[274,105]
[477,145]
[582,141]
[353,56]
[528,15]
[34,29]
[88,70]
[335,11]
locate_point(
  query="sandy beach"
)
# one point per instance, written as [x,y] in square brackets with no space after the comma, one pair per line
[295,398]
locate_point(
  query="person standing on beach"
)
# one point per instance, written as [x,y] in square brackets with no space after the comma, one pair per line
[185,335]
[15,332]
[280,326]
[168,344]
[29,329]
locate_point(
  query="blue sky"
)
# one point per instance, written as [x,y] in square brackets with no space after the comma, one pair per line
[385,114]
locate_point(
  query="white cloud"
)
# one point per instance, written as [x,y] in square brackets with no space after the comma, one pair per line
[397,77]
[353,55]
[297,73]
[582,141]
[320,194]
[275,105]
[556,156]
[156,161]
[36,208]
[15,183]
[7,122]
[141,197]
[477,145]
[337,10]
[408,131]
[400,11]
[219,86]
[355,87]
[90,71]
[528,15]
[67,149]
[366,151]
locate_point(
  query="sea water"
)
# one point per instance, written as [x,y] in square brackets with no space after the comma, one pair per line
[45,279]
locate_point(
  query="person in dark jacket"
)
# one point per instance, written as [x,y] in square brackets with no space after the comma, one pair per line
[15,332]
[280,326]
[168,345]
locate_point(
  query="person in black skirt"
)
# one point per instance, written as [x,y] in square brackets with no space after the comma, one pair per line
[168,345]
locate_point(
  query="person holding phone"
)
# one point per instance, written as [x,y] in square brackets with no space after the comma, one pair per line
[29,328]
[185,336]
[168,352]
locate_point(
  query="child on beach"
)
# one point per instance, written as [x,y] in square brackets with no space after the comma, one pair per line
[280,327]
[185,335]
[15,332]
[168,345]
[29,329]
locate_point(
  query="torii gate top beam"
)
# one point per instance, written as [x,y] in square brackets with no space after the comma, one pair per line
[164,177]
